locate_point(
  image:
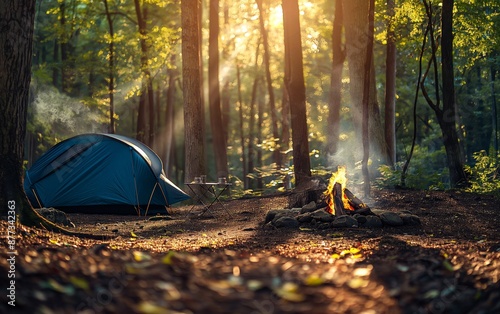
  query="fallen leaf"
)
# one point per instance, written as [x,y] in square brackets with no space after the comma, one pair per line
[357,283]
[289,292]
[448,265]
[79,282]
[141,256]
[167,259]
[314,280]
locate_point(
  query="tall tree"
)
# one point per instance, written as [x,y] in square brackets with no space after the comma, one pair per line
[445,114]
[111,68]
[193,111]
[338,57]
[356,34]
[366,99]
[244,164]
[297,92]
[170,123]
[145,132]
[390,86]
[218,134]
[270,89]
[16,40]
[448,119]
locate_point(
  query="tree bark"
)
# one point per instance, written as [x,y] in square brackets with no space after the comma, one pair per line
[169,138]
[251,133]
[338,57]
[297,91]
[219,140]
[366,99]
[194,129]
[244,165]
[270,90]
[390,86]
[494,110]
[111,69]
[448,120]
[356,34]
[16,40]
[148,129]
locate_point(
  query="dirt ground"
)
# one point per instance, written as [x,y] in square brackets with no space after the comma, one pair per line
[222,264]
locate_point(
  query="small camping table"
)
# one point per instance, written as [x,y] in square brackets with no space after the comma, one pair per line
[208,194]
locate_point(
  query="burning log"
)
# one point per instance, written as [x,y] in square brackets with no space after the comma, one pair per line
[340,200]
[358,205]
[338,203]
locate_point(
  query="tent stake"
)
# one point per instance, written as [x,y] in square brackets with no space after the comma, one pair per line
[150,197]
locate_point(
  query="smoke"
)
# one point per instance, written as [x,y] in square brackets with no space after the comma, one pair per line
[63,116]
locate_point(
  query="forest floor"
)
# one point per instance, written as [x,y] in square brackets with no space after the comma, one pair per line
[449,264]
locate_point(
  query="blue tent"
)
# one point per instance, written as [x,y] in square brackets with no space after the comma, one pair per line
[99,172]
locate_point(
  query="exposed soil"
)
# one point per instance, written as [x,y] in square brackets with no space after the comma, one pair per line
[449,264]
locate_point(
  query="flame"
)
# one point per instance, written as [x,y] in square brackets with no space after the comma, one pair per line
[340,178]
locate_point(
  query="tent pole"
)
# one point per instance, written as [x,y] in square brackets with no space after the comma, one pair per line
[34,193]
[138,208]
[165,198]
[150,197]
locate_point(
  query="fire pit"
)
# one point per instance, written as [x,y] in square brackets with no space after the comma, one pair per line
[340,200]
[337,207]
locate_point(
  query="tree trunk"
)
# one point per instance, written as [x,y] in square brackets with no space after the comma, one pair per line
[244,167]
[55,70]
[366,99]
[338,57]
[494,110]
[148,129]
[193,109]
[447,122]
[219,140]
[141,132]
[270,90]
[17,23]
[170,120]
[297,91]
[251,133]
[390,86]
[16,40]
[356,31]
[111,69]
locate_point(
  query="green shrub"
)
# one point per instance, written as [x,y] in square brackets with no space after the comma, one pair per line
[427,171]
[484,176]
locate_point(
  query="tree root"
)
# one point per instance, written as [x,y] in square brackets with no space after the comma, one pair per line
[30,218]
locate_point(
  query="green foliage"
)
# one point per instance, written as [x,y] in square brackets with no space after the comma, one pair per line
[484,176]
[427,171]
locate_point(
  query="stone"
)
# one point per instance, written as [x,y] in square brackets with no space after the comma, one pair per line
[276,213]
[391,219]
[360,218]
[345,221]
[310,207]
[322,216]
[286,222]
[56,216]
[304,218]
[379,212]
[372,222]
[323,226]
[410,219]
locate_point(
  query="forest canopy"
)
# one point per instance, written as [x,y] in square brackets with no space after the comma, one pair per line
[116,66]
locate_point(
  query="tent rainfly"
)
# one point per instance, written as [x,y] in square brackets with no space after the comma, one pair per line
[100,173]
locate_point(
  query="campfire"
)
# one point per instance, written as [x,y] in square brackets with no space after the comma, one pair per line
[341,201]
